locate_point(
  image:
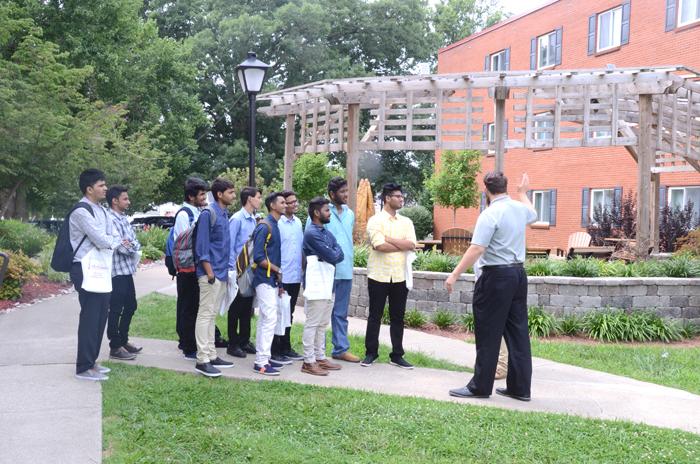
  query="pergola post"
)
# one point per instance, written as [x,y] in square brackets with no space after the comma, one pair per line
[289,156]
[500,94]
[645,158]
[654,205]
[352,152]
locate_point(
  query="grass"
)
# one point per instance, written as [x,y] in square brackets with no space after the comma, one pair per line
[155,318]
[677,367]
[151,415]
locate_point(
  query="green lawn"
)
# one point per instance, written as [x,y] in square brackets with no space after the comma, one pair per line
[155,318]
[150,415]
[672,366]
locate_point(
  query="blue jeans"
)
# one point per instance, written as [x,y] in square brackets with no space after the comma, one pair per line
[339,319]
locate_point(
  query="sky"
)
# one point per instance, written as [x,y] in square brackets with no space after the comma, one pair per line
[517,7]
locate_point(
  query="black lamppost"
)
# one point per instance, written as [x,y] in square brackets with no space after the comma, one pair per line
[251,74]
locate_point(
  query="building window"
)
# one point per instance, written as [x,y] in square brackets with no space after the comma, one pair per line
[688,11]
[541,202]
[544,124]
[679,197]
[601,198]
[491,132]
[603,134]
[498,61]
[546,45]
[610,29]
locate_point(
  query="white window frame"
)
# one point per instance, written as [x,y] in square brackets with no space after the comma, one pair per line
[669,194]
[547,39]
[491,132]
[615,18]
[591,207]
[681,3]
[543,208]
[501,56]
[542,123]
[604,134]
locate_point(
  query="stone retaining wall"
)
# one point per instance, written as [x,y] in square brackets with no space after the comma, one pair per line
[669,297]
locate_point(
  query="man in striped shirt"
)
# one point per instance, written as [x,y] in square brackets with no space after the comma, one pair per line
[122,304]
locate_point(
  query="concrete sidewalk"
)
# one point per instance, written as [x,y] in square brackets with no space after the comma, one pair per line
[46,415]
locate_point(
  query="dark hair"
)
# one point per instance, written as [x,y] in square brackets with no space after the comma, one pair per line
[248,192]
[220,185]
[194,185]
[271,198]
[336,184]
[390,188]
[288,193]
[90,177]
[495,182]
[115,192]
[316,205]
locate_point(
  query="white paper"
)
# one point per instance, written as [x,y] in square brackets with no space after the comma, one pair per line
[410,257]
[319,279]
[231,292]
[97,271]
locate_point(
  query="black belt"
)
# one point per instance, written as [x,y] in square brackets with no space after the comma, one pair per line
[502,266]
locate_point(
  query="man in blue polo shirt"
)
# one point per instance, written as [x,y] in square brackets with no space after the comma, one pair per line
[212,249]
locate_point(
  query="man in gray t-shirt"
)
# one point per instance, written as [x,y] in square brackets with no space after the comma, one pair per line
[500,293]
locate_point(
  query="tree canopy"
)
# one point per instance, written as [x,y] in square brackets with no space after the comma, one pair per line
[454,184]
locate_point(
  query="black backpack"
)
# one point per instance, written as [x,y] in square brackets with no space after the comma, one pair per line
[63,253]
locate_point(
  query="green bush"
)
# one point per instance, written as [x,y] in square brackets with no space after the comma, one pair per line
[44,259]
[614,325]
[386,319]
[20,270]
[467,321]
[152,253]
[570,325]
[361,255]
[582,267]
[434,261]
[422,220]
[443,318]
[153,237]
[540,323]
[689,329]
[415,318]
[609,325]
[543,267]
[680,266]
[20,236]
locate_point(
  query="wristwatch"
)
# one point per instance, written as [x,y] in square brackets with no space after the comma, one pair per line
[211,281]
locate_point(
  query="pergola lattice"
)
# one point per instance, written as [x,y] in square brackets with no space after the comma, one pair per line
[653,112]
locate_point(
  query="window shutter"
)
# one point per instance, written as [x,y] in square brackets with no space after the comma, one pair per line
[670,15]
[662,198]
[507,60]
[591,33]
[625,38]
[617,196]
[482,206]
[553,207]
[557,49]
[585,206]
[487,63]
[485,132]
[505,130]
[533,53]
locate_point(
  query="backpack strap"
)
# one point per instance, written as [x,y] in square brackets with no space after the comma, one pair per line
[267,239]
[78,205]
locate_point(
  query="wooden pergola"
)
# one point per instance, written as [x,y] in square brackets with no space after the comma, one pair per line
[653,112]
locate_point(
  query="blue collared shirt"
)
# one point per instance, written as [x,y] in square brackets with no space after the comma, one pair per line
[271,252]
[240,227]
[318,241]
[341,226]
[292,237]
[213,242]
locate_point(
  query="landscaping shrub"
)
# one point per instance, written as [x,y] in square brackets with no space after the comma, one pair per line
[415,318]
[443,318]
[435,262]
[581,267]
[570,325]
[543,267]
[689,329]
[689,244]
[540,323]
[20,270]
[422,220]
[467,321]
[153,237]
[675,223]
[152,253]
[44,259]
[361,254]
[614,325]
[20,236]
[680,266]
[659,328]
[609,325]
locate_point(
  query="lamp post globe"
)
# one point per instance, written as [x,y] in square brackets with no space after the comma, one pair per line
[251,75]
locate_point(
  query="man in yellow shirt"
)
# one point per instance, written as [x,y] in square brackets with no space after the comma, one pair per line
[392,237]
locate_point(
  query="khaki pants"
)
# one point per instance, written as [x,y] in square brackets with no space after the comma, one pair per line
[210,296]
[318,316]
[502,367]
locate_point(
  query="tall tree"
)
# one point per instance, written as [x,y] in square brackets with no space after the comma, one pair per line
[456,19]
[454,185]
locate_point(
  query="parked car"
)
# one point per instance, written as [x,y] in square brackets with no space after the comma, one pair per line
[164,222]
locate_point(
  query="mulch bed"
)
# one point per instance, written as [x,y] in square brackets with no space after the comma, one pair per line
[38,288]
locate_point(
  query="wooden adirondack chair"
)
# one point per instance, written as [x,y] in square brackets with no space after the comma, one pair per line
[455,241]
[576,240]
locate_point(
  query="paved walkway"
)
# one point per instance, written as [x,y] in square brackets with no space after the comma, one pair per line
[46,415]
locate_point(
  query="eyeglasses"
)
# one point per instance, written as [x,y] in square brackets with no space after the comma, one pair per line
[398,195]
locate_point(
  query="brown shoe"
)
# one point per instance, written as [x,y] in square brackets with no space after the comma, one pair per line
[313,369]
[501,373]
[329,366]
[347,357]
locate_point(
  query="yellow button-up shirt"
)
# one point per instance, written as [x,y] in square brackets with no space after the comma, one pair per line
[388,267]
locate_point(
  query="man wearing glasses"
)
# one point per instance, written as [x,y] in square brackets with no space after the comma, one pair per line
[391,237]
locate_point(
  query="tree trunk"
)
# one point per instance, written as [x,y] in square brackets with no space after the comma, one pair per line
[454,217]
[9,208]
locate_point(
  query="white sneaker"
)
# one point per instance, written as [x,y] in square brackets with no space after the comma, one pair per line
[101,369]
[91,374]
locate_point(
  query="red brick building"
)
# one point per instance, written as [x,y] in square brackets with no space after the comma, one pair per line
[569,34]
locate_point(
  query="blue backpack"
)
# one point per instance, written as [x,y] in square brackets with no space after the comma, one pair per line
[170,243]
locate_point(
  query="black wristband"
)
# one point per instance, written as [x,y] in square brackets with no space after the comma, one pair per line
[211,281]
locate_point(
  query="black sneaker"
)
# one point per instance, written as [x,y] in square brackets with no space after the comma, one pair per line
[402,363]
[133,349]
[220,363]
[275,364]
[235,351]
[190,355]
[369,360]
[249,348]
[221,343]
[207,370]
[293,355]
[121,354]
[281,359]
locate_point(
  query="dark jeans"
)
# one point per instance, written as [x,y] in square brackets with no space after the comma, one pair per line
[91,325]
[187,308]
[282,343]
[378,293]
[239,315]
[500,310]
[122,305]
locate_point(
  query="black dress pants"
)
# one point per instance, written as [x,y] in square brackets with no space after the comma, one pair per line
[91,324]
[500,310]
[378,294]
[122,305]
[187,309]
[239,315]
[282,343]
